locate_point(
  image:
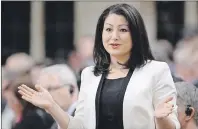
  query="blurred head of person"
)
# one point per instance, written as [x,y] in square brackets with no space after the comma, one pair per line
[189,32]
[36,69]
[61,82]
[186,59]
[17,64]
[74,61]
[84,48]
[162,50]
[13,98]
[187,101]
[5,79]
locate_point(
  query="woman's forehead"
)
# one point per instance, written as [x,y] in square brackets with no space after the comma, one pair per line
[113,19]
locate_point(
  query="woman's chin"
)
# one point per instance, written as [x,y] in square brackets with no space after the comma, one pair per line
[115,54]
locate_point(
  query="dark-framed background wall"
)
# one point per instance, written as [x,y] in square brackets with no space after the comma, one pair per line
[170,20]
[59,32]
[15,31]
[58,24]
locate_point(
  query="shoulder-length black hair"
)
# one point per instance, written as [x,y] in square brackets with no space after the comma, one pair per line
[140,52]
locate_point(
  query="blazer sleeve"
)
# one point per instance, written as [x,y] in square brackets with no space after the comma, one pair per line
[76,122]
[164,87]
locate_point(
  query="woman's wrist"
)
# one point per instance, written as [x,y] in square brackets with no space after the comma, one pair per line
[165,123]
[52,107]
[59,115]
[161,118]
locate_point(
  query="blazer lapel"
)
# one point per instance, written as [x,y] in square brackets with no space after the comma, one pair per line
[94,86]
[97,99]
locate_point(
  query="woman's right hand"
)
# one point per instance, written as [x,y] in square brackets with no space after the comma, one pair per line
[40,98]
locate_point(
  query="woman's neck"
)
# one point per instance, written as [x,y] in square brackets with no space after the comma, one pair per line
[116,60]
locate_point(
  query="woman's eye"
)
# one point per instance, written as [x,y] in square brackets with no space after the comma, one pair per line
[108,29]
[123,30]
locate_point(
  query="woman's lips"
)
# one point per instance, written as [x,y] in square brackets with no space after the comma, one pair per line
[114,46]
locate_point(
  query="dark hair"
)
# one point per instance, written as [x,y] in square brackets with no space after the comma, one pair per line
[140,52]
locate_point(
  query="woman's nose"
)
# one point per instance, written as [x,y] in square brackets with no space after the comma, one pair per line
[115,35]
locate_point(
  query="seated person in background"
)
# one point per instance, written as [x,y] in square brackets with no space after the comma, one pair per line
[27,116]
[61,82]
[187,101]
[186,59]
[19,64]
[36,69]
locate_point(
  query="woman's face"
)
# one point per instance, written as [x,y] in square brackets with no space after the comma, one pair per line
[116,36]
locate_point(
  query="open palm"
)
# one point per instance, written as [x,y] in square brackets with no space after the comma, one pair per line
[164,108]
[40,98]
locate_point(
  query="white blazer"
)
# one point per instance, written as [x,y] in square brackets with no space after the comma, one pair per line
[147,87]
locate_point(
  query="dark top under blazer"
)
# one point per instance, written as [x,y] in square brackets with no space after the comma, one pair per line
[119,107]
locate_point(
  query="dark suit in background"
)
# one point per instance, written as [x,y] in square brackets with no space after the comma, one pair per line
[36,119]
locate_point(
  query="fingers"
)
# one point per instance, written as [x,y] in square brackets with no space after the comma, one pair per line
[25,91]
[39,88]
[168,99]
[27,99]
[163,113]
[24,94]
[28,89]
[168,105]
[168,109]
[164,110]
[168,112]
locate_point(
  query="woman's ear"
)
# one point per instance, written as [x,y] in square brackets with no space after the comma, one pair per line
[191,113]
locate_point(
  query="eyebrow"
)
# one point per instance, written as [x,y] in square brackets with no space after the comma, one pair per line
[119,25]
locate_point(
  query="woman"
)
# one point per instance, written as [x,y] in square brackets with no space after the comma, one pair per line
[126,89]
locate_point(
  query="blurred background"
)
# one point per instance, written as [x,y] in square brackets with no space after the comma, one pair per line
[39,35]
[51,29]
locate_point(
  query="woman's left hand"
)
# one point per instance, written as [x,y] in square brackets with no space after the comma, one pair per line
[164,108]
